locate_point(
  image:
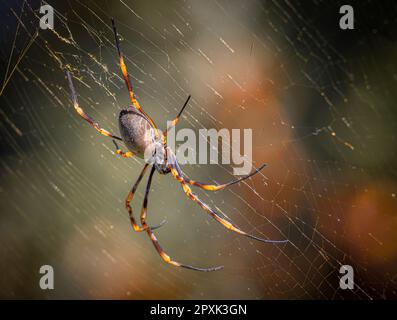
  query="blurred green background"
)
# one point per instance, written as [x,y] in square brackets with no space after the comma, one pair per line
[320,101]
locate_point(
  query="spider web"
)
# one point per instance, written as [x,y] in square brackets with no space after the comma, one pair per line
[320,102]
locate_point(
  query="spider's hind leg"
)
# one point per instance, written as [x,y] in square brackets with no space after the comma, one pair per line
[127,81]
[214,187]
[121,153]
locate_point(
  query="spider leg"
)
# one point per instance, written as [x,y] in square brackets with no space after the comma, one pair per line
[120,152]
[128,201]
[175,121]
[127,81]
[211,187]
[84,115]
[155,242]
[215,215]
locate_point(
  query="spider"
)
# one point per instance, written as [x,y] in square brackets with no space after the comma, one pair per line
[140,134]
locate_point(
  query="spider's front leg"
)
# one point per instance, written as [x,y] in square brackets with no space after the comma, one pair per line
[205,186]
[213,187]
[128,201]
[154,240]
[212,212]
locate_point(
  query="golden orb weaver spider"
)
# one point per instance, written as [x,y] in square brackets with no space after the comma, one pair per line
[139,134]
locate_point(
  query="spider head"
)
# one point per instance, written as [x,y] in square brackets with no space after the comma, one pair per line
[156,155]
[162,169]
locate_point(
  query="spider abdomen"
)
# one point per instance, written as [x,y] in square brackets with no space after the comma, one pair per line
[136,131]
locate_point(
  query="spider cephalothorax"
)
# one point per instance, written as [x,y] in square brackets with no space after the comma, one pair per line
[143,139]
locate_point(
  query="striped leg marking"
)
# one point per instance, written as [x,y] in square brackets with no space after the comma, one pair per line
[166,258]
[84,115]
[174,122]
[218,218]
[121,153]
[128,201]
[211,187]
[127,81]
